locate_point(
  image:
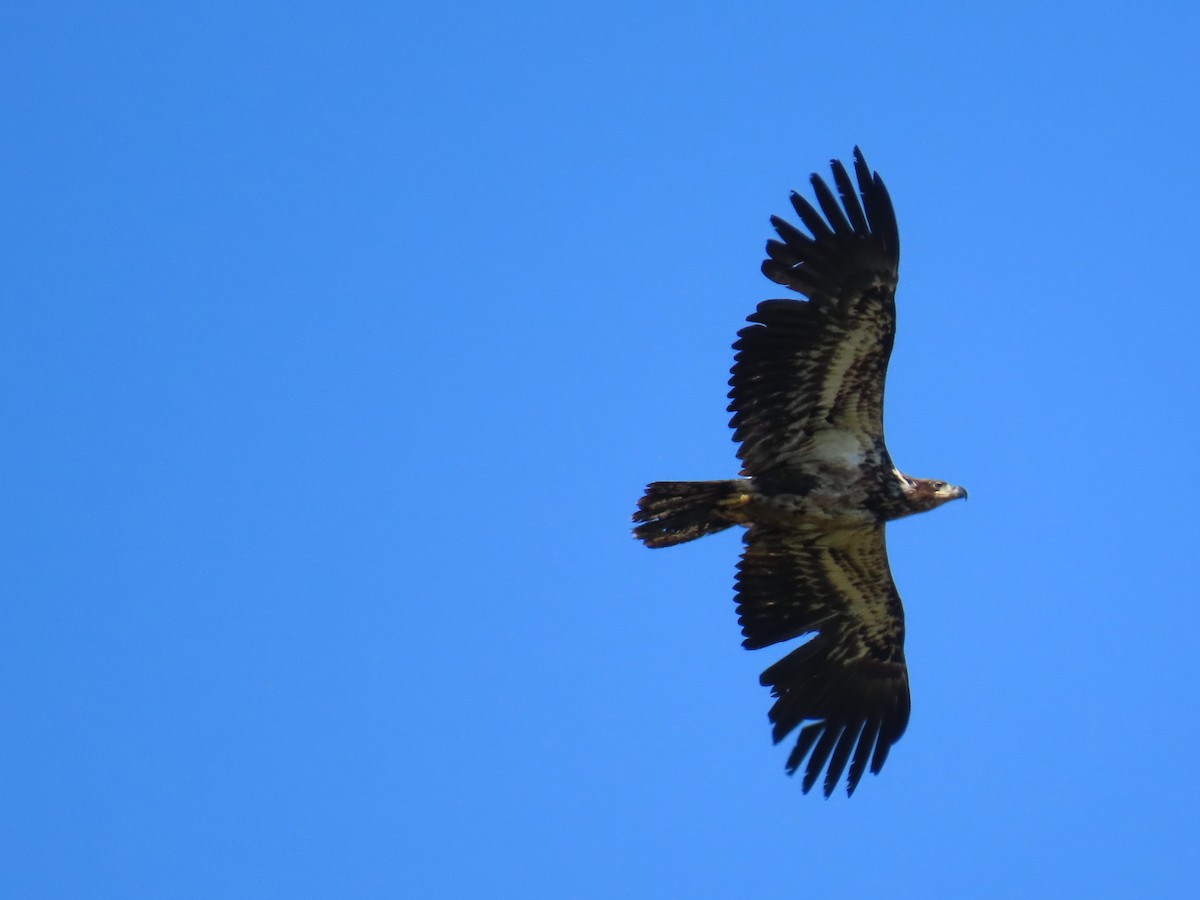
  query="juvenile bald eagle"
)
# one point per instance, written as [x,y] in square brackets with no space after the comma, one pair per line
[818,483]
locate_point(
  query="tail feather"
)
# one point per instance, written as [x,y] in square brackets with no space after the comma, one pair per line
[673,512]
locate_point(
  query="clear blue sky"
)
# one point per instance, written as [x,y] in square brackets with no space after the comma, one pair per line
[339,340]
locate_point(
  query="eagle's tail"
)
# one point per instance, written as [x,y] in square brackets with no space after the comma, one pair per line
[672,512]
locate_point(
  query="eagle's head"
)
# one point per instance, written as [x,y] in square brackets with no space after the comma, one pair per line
[926,493]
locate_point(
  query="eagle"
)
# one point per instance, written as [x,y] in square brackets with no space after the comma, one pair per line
[817,484]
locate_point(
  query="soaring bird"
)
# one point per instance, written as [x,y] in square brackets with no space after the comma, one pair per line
[817,483]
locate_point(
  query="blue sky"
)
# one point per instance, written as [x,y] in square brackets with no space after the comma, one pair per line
[340,340]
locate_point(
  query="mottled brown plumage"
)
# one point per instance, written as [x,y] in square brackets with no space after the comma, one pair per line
[818,484]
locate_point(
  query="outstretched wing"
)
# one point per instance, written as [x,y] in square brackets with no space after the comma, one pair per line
[807,366]
[849,681]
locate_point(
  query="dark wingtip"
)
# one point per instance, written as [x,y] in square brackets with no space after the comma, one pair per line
[860,163]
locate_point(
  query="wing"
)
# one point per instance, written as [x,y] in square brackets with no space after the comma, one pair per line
[849,681]
[807,366]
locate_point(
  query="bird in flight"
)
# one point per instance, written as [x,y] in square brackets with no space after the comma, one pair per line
[817,484]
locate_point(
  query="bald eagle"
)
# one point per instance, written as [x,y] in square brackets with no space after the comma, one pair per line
[817,483]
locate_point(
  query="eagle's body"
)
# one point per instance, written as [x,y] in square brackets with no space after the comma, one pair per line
[807,399]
